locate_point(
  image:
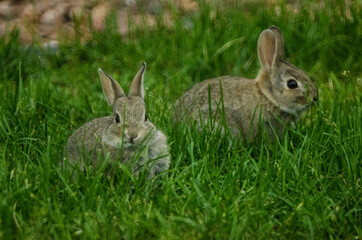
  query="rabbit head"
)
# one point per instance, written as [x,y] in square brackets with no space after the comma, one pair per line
[282,83]
[129,126]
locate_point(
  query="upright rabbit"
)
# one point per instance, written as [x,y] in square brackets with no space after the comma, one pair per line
[123,134]
[278,95]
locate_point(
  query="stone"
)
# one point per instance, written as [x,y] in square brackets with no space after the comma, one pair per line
[5,10]
[122,21]
[154,7]
[188,5]
[29,13]
[51,17]
[99,14]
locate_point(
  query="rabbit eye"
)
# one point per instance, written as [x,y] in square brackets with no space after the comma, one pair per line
[117,118]
[146,117]
[292,84]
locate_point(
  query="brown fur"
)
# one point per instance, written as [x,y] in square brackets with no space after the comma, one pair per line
[246,101]
[121,136]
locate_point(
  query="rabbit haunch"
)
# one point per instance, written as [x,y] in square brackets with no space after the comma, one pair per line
[123,134]
[278,95]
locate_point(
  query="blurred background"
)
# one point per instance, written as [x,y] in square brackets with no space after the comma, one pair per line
[49,21]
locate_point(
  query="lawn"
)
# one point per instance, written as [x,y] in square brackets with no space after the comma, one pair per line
[305,186]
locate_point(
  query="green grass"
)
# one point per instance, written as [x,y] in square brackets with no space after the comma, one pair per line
[307,186]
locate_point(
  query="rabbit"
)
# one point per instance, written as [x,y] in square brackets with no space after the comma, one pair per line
[278,95]
[121,135]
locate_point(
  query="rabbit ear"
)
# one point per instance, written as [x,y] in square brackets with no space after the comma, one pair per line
[136,88]
[279,39]
[267,49]
[111,89]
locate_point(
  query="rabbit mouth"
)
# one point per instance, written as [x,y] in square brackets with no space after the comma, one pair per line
[128,145]
[302,109]
[131,142]
[125,143]
[295,111]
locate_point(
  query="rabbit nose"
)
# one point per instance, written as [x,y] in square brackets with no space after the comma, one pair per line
[132,136]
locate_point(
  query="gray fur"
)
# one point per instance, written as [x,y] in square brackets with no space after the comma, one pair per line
[120,141]
[251,103]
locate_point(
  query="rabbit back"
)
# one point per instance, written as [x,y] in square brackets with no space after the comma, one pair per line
[276,97]
[235,98]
